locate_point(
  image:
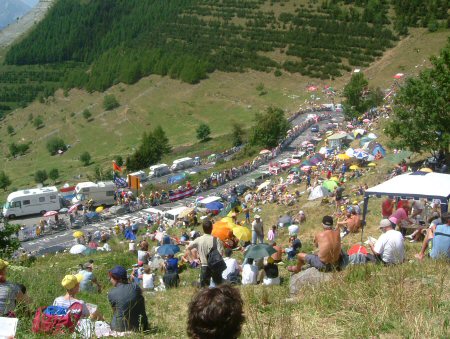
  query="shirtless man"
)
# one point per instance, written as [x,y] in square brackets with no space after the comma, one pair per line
[328,243]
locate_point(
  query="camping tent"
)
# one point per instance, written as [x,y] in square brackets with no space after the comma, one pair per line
[374,147]
[318,192]
[415,185]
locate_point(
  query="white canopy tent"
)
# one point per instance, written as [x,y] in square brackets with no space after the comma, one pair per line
[416,185]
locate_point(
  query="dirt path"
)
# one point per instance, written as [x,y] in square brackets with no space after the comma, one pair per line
[18,28]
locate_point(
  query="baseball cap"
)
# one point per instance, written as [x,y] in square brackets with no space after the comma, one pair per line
[301,212]
[393,220]
[257,216]
[70,281]
[3,264]
[385,223]
[327,221]
[119,272]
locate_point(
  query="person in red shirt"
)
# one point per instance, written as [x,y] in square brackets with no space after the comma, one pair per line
[387,207]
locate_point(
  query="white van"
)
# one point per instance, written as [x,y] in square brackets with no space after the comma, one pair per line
[139,174]
[101,193]
[158,170]
[32,201]
[182,163]
[171,216]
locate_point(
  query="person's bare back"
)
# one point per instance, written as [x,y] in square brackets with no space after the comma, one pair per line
[329,244]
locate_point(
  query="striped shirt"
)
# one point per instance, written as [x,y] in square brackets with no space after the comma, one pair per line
[63,302]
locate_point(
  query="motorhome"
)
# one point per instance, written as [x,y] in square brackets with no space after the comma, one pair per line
[158,170]
[32,201]
[101,193]
[139,174]
[171,216]
[202,203]
[182,163]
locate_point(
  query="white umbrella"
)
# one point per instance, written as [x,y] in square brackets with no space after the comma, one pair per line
[77,249]
[372,136]
[350,152]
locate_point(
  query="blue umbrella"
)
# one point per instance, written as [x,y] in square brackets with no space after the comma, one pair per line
[214,206]
[92,215]
[168,250]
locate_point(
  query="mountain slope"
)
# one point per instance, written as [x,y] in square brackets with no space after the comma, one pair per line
[10,10]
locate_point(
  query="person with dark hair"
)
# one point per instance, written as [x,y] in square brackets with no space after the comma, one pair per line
[328,243]
[10,294]
[204,244]
[127,302]
[216,313]
[231,273]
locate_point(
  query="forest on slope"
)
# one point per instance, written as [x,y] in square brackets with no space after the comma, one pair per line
[95,44]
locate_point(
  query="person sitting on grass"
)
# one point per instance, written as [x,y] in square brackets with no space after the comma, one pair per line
[10,293]
[389,248]
[216,313]
[328,243]
[72,285]
[439,236]
[352,223]
[127,302]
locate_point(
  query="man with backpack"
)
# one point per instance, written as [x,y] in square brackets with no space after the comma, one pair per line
[210,251]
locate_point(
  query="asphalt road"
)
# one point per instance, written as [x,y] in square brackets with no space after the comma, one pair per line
[64,239]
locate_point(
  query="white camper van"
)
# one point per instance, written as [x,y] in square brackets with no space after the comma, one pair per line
[158,170]
[32,201]
[182,163]
[171,216]
[101,193]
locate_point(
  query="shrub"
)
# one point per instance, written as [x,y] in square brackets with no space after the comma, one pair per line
[40,176]
[203,132]
[85,158]
[38,122]
[55,144]
[110,102]
[87,114]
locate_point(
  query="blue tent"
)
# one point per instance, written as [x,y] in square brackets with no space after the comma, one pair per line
[214,206]
[378,148]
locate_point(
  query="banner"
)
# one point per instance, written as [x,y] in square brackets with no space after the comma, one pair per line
[120,182]
[173,196]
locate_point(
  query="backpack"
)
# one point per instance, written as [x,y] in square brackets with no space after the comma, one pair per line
[56,319]
[214,259]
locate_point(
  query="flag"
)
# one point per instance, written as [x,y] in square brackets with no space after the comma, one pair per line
[119,182]
[116,167]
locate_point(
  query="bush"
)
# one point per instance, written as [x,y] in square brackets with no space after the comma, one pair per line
[40,176]
[38,122]
[55,144]
[87,114]
[110,102]
[203,132]
[277,73]
[53,174]
[18,149]
[4,180]
[10,130]
[85,158]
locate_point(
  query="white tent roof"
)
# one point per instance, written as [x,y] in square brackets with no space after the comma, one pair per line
[415,185]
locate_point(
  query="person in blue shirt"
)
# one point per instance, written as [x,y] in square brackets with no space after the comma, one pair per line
[439,236]
[89,282]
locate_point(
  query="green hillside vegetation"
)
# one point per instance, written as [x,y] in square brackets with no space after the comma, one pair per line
[96,44]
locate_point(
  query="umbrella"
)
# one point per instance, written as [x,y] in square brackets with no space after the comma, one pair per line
[426,169]
[306,163]
[73,208]
[168,249]
[350,152]
[264,151]
[372,136]
[263,185]
[224,223]
[360,155]
[228,220]
[372,164]
[185,213]
[358,131]
[242,233]
[293,229]
[260,251]
[63,210]
[50,213]
[350,126]
[99,209]
[330,185]
[214,206]
[329,133]
[223,233]
[294,169]
[342,156]
[355,249]
[354,167]
[366,121]
[92,215]
[77,249]
[77,234]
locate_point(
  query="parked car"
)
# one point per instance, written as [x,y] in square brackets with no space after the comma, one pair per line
[315,128]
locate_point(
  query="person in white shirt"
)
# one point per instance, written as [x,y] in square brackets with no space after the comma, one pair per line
[257,230]
[148,279]
[389,247]
[249,273]
[231,273]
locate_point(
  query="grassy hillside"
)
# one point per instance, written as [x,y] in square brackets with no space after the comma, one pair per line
[409,300]
[178,107]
